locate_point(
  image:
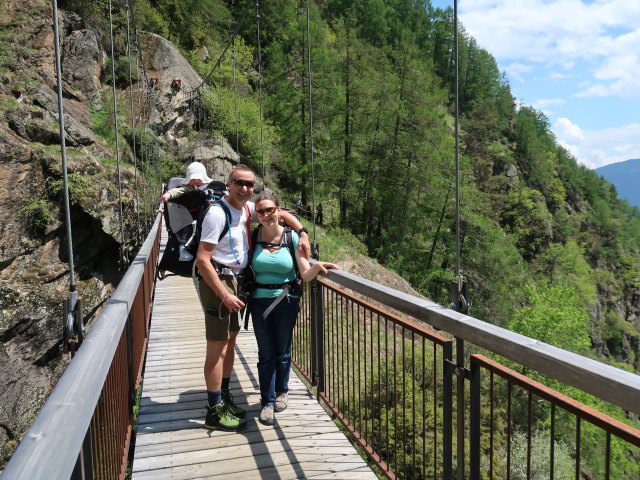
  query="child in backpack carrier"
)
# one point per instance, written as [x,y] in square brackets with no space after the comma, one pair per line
[196,176]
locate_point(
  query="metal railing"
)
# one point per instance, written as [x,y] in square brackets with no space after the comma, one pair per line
[84,428]
[372,370]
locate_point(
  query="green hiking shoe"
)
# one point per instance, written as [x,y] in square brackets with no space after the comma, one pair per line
[227,399]
[220,417]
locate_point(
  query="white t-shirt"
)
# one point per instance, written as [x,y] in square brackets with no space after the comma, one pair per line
[214,223]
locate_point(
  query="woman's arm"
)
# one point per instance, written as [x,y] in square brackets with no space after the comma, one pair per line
[308,272]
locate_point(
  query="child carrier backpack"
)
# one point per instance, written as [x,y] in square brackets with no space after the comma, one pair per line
[188,209]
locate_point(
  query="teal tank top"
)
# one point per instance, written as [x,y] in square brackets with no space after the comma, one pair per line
[273,268]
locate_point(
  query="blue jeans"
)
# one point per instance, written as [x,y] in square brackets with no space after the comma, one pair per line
[274,335]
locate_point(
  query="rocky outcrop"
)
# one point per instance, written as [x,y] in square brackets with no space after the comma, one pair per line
[81,64]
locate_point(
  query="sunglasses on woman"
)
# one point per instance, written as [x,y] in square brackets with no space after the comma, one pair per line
[243,183]
[266,211]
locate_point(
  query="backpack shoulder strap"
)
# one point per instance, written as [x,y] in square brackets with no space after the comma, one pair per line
[288,239]
[249,236]
[227,217]
[254,238]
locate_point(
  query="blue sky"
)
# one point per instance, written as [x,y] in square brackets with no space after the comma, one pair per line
[577,61]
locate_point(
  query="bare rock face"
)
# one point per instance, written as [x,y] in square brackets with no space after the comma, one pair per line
[166,63]
[81,63]
[173,78]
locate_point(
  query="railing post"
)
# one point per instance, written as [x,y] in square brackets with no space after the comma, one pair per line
[460,417]
[474,422]
[319,316]
[130,369]
[317,350]
[447,412]
[83,469]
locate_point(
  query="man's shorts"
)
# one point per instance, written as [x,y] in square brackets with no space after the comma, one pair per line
[217,328]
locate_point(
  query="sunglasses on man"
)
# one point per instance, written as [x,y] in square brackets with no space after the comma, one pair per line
[243,183]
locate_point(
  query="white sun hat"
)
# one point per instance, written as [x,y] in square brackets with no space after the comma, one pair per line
[196,170]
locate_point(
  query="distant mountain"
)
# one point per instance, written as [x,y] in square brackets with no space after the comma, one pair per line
[626,177]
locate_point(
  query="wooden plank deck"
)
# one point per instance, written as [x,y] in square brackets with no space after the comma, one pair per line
[171,439]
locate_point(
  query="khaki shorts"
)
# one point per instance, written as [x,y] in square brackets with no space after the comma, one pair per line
[217,328]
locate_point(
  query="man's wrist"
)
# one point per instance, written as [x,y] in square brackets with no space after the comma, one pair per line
[303,230]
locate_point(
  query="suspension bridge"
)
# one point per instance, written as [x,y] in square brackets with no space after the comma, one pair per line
[387,385]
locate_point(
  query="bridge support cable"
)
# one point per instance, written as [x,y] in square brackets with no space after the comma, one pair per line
[72,306]
[235,91]
[123,261]
[315,249]
[264,178]
[133,131]
[459,300]
[458,292]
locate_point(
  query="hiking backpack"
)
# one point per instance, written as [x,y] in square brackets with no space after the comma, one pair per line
[189,209]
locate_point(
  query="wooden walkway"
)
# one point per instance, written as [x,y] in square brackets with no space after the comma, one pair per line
[172,442]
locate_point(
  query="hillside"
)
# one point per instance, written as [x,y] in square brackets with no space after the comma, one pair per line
[626,178]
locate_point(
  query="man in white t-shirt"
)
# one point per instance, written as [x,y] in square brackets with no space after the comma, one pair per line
[219,259]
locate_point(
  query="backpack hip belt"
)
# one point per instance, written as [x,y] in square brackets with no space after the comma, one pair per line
[224,270]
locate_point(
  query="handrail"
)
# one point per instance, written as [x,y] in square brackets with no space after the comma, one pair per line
[611,384]
[50,446]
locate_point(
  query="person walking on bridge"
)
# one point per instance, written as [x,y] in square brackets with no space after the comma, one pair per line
[220,261]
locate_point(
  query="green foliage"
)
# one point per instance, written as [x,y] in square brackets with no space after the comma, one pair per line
[527,217]
[78,186]
[566,265]
[36,214]
[222,105]
[563,465]
[121,71]
[555,315]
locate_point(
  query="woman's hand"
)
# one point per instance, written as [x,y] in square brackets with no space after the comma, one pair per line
[323,267]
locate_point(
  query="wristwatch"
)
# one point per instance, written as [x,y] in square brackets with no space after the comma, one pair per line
[303,229]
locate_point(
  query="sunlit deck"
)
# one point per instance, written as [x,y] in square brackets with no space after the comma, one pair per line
[171,440]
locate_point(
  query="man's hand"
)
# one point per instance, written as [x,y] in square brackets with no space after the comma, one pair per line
[233,303]
[304,246]
[165,197]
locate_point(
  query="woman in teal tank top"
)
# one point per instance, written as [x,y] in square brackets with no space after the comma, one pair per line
[274,305]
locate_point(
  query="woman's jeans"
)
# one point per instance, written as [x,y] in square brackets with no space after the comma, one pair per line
[274,335]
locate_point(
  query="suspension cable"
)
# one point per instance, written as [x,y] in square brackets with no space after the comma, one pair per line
[313,181]
[123,259]
[459,299]
[264,179]
[140,139]
[65,181]
[235,90]
[133,132]
[72,323]
[457,136]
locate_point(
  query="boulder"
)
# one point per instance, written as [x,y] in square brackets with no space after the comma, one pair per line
[81,63]
[77,131]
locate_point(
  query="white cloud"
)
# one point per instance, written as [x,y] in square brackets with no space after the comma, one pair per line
[515,70]
[560,76]
[546,102]
[596,148]
[568,130]
[565,33]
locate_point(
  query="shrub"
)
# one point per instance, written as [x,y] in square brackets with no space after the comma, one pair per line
[36,215]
